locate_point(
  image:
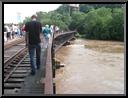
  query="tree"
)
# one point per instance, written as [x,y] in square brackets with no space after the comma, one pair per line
[93,21]
[117,24]
[27,19]
[85,8]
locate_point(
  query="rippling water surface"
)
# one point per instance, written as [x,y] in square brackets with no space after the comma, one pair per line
[91,67]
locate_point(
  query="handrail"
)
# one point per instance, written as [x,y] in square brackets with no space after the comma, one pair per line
[48,81]
[58,34]
[48,89]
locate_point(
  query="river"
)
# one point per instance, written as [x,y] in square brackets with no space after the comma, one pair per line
[91,67]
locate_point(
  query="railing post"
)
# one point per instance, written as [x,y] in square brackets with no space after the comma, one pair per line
[53,63]
[53,57]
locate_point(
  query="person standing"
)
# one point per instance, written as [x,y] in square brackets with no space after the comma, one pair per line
[23,30]
[47,32]
[33,30]
[5,34]
[8,32]
[13,31]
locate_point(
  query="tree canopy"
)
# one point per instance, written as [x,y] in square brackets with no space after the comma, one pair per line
[93,21]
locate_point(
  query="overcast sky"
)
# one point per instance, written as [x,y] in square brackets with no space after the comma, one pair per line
[11,10]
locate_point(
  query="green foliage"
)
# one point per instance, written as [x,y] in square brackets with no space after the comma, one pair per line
[64,9]
[77,20]
[27,19]
[85,8]
[93,21]
[103,23]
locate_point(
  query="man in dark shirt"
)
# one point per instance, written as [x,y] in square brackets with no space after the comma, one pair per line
[33,30]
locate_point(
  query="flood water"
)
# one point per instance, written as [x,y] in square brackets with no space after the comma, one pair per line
[91,67]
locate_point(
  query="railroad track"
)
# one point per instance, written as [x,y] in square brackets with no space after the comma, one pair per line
[12,50]
[15,72]
[13,43]
[16,66]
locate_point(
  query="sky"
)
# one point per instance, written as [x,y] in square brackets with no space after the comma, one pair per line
[11,10]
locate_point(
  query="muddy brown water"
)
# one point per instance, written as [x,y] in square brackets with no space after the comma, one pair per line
[91,67]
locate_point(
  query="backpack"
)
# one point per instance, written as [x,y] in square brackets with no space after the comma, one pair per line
[46,32]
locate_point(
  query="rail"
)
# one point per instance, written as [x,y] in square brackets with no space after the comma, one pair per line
[62,43]
[7,77]
[48,89]
[8,61]
[15,42]
[48,81]
[60,33]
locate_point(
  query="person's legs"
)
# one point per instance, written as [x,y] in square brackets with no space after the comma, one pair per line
[44,41]
[7,36]
[47,42]
[10,35]
[13,35]
[31,54]
[38,54]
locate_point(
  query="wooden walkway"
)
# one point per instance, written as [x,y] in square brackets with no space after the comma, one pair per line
[33,84]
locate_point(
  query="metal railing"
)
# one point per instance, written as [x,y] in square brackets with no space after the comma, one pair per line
[48,81]
[61,33]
